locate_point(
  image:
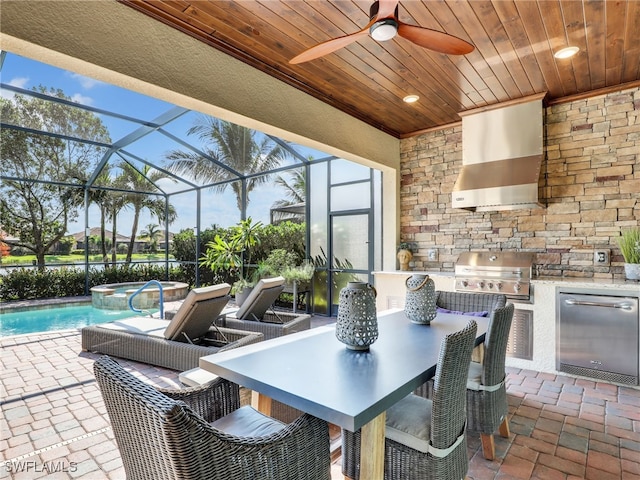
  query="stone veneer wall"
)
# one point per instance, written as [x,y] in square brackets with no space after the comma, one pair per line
[590,184]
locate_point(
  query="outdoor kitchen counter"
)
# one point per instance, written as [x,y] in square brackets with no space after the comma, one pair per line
[391,289]
[578,282]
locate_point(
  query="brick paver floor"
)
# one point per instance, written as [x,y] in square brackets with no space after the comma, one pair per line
[54,424]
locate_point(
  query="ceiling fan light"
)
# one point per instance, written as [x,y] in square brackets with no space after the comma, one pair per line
[384,30]
[567,52]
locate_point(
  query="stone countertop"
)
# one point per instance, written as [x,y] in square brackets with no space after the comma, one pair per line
[632,285]
[411,272]
[542,280]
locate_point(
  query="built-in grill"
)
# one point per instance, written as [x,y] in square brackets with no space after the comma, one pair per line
[496,272]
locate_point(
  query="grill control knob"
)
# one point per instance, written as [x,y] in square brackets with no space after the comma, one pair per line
[464,283]
[490,285]
[481,284]
[517,287]
[498,286]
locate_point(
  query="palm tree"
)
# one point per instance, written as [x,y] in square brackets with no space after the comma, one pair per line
[152,232]
[295,192]
[239,148]
[115,202]
[143,180]
[101,198]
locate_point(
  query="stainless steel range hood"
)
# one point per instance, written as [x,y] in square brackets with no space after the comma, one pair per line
[502,153]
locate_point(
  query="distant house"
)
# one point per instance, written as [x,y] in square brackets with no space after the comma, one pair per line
[80,237]
[140,245]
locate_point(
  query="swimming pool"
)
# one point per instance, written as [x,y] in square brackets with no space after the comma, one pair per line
[56,318]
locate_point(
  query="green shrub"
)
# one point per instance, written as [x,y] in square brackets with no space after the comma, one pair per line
[31,284]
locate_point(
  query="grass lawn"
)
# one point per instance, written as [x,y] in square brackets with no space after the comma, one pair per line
[79,259]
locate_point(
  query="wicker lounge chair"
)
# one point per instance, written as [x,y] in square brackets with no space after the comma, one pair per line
[253,314]
[166,434]
[178,343]
[424,438]
[261,298]
[486,393]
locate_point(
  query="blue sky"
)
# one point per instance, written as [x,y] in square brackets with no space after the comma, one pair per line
[219,209]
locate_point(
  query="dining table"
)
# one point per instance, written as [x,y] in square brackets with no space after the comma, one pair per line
[316,373]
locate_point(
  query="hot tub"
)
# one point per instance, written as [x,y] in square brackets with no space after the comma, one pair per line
[115,296]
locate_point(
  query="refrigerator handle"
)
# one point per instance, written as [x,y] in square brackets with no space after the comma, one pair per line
[622,306]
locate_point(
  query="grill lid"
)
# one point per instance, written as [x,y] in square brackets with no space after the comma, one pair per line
[496,260]
[508,273]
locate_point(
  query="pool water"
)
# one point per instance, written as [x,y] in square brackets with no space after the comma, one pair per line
[58,318]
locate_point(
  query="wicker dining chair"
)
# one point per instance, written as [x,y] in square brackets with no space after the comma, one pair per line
[486,393]
[470,302]
[167,434]
[425,439]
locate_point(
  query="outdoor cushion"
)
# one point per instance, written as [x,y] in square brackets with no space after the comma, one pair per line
[409,423]
[455,312]
[191,318]
[475,376]
[196,377]
[153,327]
[259,300]
[248,422]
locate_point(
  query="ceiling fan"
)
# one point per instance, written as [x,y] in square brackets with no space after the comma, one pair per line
[384,25]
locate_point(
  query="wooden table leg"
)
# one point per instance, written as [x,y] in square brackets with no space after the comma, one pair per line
[372,449]
[262,403]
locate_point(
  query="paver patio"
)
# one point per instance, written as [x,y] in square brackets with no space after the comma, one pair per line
[54,423]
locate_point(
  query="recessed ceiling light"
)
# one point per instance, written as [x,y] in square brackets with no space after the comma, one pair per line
[566,52]
[411,98]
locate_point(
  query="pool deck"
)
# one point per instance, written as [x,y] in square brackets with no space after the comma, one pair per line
[53,419]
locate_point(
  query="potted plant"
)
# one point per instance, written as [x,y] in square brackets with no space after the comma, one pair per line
[629,243]
[233,254]
[284,263]
[404,255]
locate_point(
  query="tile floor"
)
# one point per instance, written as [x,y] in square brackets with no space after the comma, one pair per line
[54,426]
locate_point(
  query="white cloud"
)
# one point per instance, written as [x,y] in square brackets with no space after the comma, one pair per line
[20,82]
[86,82]
[82,99]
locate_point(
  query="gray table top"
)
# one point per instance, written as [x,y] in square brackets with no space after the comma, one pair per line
[314,372]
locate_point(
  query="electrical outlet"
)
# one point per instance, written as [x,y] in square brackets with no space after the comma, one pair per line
[432,255]
[601,257]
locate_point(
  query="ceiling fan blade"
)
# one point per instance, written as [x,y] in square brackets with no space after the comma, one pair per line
[386,9]
[330,46]
[433,40]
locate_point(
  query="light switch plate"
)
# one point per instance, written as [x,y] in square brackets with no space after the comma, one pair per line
[432,255]
[601,257]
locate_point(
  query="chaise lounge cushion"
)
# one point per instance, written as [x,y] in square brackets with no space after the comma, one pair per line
[263,295]
[198,311]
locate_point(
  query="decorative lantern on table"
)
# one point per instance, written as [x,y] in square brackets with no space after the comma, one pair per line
[357,324]
[420,304]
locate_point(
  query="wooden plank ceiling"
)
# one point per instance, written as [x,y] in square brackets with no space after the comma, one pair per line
[513,58]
